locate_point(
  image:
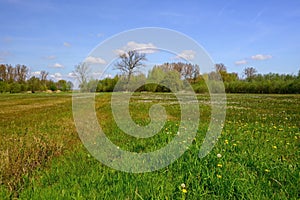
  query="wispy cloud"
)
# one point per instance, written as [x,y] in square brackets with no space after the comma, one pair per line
[95,60]
[186,54]
[67,44]
[241,62]
[140,47]
[57,65]
[261,57]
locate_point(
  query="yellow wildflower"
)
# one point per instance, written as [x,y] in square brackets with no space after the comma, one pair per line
[184,190]
[266,170]
[219,176]
[274,147]
[226,141]
[219,165]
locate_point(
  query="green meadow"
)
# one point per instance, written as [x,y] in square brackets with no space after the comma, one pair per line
[257,155]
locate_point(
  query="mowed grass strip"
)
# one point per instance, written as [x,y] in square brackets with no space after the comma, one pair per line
[256,156]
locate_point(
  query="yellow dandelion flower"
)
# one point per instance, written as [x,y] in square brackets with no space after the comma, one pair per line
[219,176]
[226,141]
[234,144]
[184,190]
[219,165]
[274,147]
[266,170]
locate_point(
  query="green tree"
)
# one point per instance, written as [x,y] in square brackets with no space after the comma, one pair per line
[34,84]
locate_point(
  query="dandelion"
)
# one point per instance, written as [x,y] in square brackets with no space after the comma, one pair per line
[219,176]
[184,190]
[182,185]
[266,170]
[234,144]
[219,155]
[226,141]
[274,147]
[219,165]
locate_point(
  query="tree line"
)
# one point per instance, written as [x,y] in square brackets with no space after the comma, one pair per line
[15,79]
[177,76]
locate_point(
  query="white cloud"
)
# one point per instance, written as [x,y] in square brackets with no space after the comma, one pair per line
[71,75]
[95,60]
[57,65]
[67,44]
[261,57]
[108,76]
[56,76]
[186,54]
[241,62]
[36,73]
[140,47]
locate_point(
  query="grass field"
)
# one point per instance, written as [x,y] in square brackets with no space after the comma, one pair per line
[256,157]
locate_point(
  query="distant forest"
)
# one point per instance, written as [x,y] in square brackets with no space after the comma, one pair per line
[16,79]
[176,75]
[179,74]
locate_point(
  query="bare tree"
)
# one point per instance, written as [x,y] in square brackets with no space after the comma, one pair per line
[81,72]
[130,62]
[220,68]
[44,75]
[250,72]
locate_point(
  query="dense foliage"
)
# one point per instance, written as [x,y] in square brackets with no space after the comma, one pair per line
[177,75]
[16,79]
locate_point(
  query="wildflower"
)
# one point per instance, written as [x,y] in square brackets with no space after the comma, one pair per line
[219,176]
[266,170]
[219,155]
[226,141]
[274,147]
[184,190]
[234,144]
[182,185]
[219,165]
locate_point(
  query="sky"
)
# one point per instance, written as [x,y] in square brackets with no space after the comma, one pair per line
[56,35]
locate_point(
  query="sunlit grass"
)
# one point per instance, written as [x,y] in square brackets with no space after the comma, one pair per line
[256,156]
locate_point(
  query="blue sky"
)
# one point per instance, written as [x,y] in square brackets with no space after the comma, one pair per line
[56,35]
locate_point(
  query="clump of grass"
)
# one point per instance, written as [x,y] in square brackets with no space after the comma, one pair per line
[23,156]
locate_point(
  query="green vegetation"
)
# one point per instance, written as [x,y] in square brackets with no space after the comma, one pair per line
[16,79]
[256,157]
[177,75]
